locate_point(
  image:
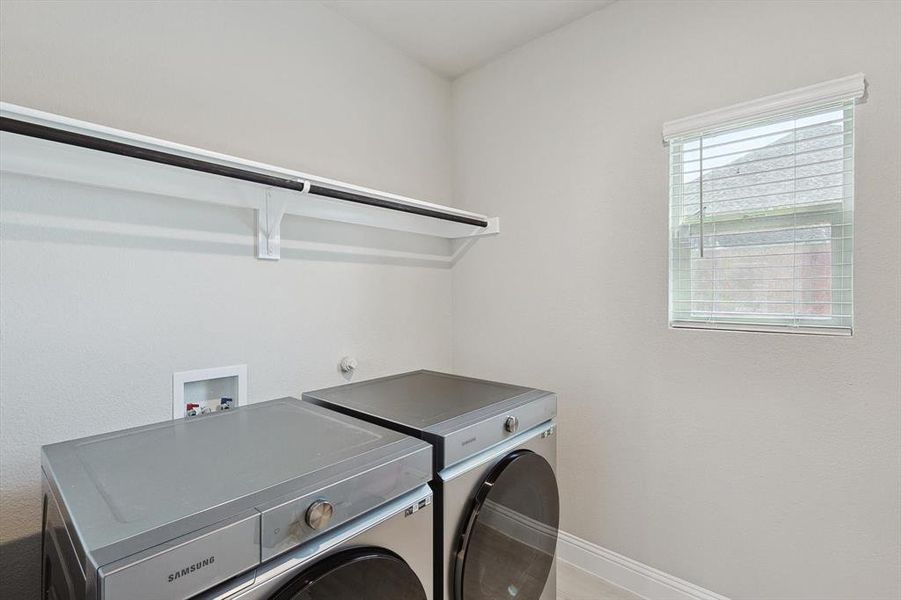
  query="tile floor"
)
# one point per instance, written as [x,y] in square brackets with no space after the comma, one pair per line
[575,584]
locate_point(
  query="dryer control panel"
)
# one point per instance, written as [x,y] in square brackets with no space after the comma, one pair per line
[485,431]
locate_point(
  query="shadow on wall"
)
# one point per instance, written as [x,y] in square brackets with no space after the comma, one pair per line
[20,562]
[69,213]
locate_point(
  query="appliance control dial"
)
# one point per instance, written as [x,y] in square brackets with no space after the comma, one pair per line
[511,424]
[319,514]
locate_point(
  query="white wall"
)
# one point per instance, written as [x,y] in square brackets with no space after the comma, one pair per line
[756,465]
[104,295]
[760,466]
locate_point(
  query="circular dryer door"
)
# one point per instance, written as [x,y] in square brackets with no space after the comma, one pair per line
[359,574]
[507,547]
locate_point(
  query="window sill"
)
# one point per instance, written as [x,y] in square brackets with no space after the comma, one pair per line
[802,330]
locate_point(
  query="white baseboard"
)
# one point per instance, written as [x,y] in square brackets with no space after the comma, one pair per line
[636,577]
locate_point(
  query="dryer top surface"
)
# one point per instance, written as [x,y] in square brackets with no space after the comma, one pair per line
[420,400]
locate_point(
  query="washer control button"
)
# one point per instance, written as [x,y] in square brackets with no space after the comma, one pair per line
[511,424]
[319,514]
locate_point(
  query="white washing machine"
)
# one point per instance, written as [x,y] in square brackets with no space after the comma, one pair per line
[279,500]
[496,497]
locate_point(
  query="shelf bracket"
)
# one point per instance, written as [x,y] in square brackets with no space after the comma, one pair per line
[269,224]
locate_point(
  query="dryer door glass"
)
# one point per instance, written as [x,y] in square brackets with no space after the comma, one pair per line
[506,550]
[359,574]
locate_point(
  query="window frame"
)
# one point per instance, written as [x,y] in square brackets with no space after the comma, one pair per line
[833,213]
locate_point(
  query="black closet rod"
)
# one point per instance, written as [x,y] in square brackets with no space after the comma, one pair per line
[112,147]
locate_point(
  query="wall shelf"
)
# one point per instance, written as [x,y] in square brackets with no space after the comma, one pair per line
[41,144]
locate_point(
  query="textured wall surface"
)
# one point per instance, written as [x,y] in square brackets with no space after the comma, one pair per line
[760,466]
[104,295]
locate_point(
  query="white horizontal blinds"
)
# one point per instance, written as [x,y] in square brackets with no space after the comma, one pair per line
[761,223]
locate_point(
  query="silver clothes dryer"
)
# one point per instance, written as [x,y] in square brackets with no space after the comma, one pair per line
[496,497]
[278,500]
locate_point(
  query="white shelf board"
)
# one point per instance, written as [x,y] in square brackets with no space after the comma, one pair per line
[53,160]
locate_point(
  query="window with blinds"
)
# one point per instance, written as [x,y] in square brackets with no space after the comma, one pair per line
[761,223]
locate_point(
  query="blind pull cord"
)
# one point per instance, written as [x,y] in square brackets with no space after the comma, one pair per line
[701,195]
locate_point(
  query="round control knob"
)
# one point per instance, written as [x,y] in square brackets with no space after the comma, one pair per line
[319,514]
[511,424]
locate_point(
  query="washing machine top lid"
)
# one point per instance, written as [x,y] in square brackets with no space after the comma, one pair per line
[151,484]
[425,401]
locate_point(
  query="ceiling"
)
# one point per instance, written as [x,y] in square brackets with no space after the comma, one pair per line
[451,37]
